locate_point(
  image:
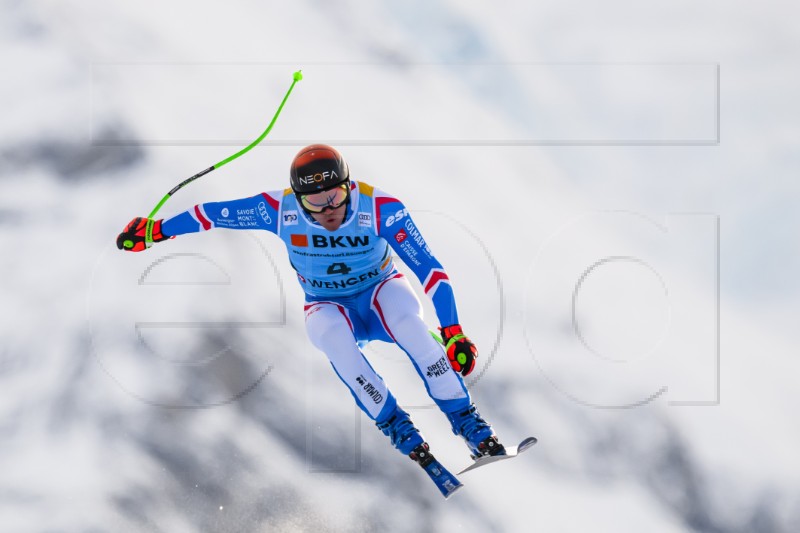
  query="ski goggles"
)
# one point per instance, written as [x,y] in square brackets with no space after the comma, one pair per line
[317,202]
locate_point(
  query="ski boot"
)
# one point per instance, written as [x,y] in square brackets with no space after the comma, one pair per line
[406,438]
[478,434]
[401,431]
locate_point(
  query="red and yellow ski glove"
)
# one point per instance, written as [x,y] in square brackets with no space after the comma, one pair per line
[460,350]
[132,238]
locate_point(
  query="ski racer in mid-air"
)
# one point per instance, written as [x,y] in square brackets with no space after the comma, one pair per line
[340,235]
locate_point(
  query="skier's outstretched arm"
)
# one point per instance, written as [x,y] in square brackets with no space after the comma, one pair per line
[256,212]
[396,226]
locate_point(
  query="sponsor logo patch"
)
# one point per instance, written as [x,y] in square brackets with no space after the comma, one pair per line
[370,389]
[290,217]
[401,235]
[439,368]
[245,218]
[365,220]
[225,212]
[319,177]
[395,217]
[344,241]
[411,252]
[299,240]
[262,210]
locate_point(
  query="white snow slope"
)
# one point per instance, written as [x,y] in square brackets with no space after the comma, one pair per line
[610,185]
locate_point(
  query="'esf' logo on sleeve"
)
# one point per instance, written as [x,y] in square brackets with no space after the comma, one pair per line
[395,217]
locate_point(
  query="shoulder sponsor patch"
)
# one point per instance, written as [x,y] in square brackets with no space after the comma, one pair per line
[365,220]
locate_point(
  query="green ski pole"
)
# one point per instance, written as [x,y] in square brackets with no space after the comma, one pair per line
[297,76]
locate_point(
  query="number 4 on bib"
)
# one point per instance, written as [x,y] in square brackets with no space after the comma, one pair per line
[339,268]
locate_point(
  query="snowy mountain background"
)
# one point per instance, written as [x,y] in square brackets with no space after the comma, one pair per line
[610,186]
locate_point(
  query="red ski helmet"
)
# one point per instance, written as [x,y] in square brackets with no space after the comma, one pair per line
[316,168]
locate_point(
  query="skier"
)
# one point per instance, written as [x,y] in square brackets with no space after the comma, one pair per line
[340,235]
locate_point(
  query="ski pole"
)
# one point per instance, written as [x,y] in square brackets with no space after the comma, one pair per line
[297,76]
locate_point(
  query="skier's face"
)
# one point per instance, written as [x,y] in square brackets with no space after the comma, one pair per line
[331,218]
